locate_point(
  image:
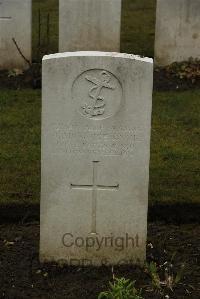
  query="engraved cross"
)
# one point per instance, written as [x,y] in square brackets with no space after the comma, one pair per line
[94,188]
[4,18]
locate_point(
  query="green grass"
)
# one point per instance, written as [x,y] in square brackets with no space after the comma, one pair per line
[138,27]
[137,34]
[175,150]
[20,145]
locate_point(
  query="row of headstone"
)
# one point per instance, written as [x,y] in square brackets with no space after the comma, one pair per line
[96,123]
[95,25]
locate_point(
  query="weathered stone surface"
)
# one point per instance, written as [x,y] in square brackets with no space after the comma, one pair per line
[96,121]
[177,31]
[88,25]
[15,22]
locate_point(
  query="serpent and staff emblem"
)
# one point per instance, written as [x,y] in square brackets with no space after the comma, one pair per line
[97,94]
[97,106]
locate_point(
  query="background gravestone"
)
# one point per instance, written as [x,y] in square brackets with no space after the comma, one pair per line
[89,25]
[177,35]
[15,22]
[96,121]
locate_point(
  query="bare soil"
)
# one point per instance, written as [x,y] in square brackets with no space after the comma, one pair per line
[22,276]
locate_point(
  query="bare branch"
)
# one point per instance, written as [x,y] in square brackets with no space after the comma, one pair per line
[20,52]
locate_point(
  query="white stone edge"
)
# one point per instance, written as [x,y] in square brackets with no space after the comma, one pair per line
[97,54]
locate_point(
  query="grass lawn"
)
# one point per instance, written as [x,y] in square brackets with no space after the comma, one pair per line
[174,175]
[137,34]
[138,27]
[20,146]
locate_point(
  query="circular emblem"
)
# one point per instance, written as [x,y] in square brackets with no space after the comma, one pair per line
[97,93]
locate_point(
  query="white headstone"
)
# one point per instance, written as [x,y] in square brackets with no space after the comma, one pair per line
[96,122]
[177,31]
[88,25]
[15,23]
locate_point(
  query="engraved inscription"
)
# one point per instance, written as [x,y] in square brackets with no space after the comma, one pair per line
[118,140]
[95,187]
[98,94]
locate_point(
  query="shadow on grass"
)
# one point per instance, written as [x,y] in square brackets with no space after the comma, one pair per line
[168,213]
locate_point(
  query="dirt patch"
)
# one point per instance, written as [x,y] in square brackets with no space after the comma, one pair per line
[22,276]
[16,79]
[163,80]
